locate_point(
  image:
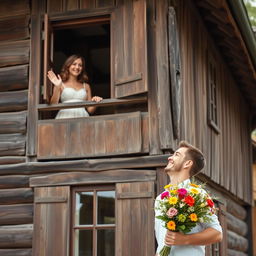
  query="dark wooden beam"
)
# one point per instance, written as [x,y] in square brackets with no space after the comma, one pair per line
[14,78]
[13,101]
[84,165]
[14,181]
[19,236]
[13,122]
[14,53]
[80,178]
[103,103]
[12,144]
[16,214]
[18,195]
[16,252]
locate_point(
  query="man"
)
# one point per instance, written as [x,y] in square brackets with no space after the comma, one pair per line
[186,162]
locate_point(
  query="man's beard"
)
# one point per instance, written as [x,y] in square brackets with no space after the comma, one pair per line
[173,168]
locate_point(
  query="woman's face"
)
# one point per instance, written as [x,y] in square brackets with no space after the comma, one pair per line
[76,67]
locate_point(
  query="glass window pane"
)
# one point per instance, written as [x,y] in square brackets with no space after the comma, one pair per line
[84,208]
[106,207]
[106,242]
[83,243]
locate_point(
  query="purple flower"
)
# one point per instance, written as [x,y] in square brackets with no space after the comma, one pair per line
[164,194]
[182,192]
[171,212]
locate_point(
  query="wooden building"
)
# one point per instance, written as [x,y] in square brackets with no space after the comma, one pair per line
[168,71]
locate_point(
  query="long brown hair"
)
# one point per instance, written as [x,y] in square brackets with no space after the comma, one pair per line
[64,74]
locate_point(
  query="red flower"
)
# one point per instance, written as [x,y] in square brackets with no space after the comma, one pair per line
[210,202]
[189,200]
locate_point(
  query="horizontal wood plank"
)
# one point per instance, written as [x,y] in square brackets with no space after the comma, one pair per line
[13,122]
[16,236]
[103,103]
[12,144]
[18,195]
[13,101]
[237,242]
[14,28]
[16,252]
[14,181]
[84,165]
[14,78]
[12,159]
[80,178]
[14,53]
[13,8]
[236,225]
[16,214]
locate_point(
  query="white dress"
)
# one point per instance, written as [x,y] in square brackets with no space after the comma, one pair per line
[72,95]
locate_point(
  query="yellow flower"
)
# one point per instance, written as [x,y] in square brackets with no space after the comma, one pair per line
[167,186]
[193,217]
[173,200]
[171,225]
[194,185]
[194,191]
[174,191]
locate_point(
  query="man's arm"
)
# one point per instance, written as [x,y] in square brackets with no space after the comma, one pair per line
[205,237]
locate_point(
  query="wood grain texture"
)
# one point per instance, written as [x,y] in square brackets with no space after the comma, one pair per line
[14,53]
[16,196]
[80,178]
[14,28]
[135,214]
[14,78]
[129,59]
[16,252]
[14,8]
[16,236]
[51,222]
[12,144]
[16,214]
[108,135]
[84,165]
[14,181]
[13,101]
[13,122]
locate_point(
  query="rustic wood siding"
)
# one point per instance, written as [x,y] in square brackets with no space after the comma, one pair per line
[51,221]
[93,136]
[16,208]
[57,6]
[227,153]
[135,217]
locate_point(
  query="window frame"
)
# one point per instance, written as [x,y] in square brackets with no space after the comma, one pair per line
[212,99]
[94,227]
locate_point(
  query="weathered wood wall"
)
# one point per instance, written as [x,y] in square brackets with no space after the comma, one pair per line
[16,208]
[227,153]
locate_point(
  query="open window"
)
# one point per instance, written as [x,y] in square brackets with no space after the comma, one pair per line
[88,37]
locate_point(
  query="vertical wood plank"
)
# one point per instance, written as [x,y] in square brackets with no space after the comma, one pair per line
[51,221]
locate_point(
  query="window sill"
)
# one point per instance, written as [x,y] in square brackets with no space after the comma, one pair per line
[103,103]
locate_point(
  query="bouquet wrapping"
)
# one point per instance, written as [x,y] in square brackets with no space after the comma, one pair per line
[181,208]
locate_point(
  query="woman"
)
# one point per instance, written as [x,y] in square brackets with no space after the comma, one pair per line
[71,86]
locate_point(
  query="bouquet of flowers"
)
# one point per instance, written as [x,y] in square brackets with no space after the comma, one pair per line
[182,208]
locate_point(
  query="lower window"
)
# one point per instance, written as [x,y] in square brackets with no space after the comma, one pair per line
[93,221]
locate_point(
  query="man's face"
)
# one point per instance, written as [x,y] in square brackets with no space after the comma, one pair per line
[176,161]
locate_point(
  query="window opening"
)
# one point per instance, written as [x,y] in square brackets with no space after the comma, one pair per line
[92,41]
[93,222]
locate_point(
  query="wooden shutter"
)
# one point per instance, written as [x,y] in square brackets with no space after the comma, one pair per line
[175,69]
[135,219]
[51,221]
[47,58]
[129,48]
